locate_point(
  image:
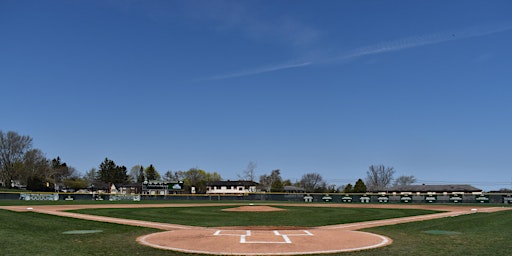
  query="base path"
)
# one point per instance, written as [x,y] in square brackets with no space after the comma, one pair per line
[260,240]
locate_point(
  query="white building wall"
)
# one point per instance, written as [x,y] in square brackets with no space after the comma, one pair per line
[230,190]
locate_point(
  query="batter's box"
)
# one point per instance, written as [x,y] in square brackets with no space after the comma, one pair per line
[263,236]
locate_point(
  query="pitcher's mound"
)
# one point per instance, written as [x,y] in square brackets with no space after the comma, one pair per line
[254,208]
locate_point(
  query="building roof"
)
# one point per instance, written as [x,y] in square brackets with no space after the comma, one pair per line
[245,183]
[436,188]
[293,188]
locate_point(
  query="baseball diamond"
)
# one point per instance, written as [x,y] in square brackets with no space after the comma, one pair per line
[256,240]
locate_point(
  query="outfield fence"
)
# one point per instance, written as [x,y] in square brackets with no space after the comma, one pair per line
[380,198]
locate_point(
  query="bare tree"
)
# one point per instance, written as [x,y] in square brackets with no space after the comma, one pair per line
[249,172]
[311,181]
[12,150]
[34,164]
[379,177]
[135,172]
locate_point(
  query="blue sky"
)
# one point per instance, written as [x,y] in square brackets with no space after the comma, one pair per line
[302,86]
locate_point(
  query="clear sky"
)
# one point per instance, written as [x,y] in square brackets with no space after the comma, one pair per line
[302,86]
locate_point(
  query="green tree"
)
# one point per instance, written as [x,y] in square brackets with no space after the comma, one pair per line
[75,183]
[195,177]
[152,173]
[287,182]
[272,182]
[212,176]
[348,188]
[58,171]
[111,173]
[36,183]
[141,177]
[359,187]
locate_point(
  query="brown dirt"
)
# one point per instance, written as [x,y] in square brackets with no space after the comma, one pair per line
[254,208]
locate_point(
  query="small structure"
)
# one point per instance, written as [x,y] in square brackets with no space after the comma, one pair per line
[294,189]
[231,187]
[162,187]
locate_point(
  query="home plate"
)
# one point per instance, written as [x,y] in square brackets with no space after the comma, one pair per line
[263,242]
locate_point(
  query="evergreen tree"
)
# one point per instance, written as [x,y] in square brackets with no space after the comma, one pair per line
[348,188]
[111,173]
[140,176]
[152,173]
[359,187]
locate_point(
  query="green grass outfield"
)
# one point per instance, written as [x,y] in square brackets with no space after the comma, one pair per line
[296,216]
[31,233]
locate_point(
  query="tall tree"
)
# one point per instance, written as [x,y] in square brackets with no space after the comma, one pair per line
[272,182]
[34,164]
[212,176]
[59,171]
[75,183]
[141,177]
[135,172]
[379,177]
[348,188]
[359,187]
[171,176]
[91,176]
[110,173]
[197,178]
[404,180]
[12,149]
[249,172]
[152,173]
[311,181]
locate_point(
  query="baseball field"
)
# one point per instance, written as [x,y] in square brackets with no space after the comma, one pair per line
[244,228]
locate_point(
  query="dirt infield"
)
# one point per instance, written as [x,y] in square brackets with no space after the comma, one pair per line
[260,240]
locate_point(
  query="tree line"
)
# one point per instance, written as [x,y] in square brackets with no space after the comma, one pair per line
[23,165]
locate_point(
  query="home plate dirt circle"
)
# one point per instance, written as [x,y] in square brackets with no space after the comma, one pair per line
[257,241]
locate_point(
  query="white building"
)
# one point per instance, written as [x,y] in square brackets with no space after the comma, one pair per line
[231,187]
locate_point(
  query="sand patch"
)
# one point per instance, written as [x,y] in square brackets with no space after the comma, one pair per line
[254,208]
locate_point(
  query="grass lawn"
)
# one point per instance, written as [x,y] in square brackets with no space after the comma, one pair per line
[474,234]
[31,233]
[38,234]
[213,216]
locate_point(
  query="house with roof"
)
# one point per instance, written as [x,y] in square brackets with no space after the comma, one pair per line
[231,187]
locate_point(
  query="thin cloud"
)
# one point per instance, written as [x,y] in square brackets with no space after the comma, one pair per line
[260,70]
[423,40]
[385,47]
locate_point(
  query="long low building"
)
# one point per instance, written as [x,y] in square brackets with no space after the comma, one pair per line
[438,189]
[231,187]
